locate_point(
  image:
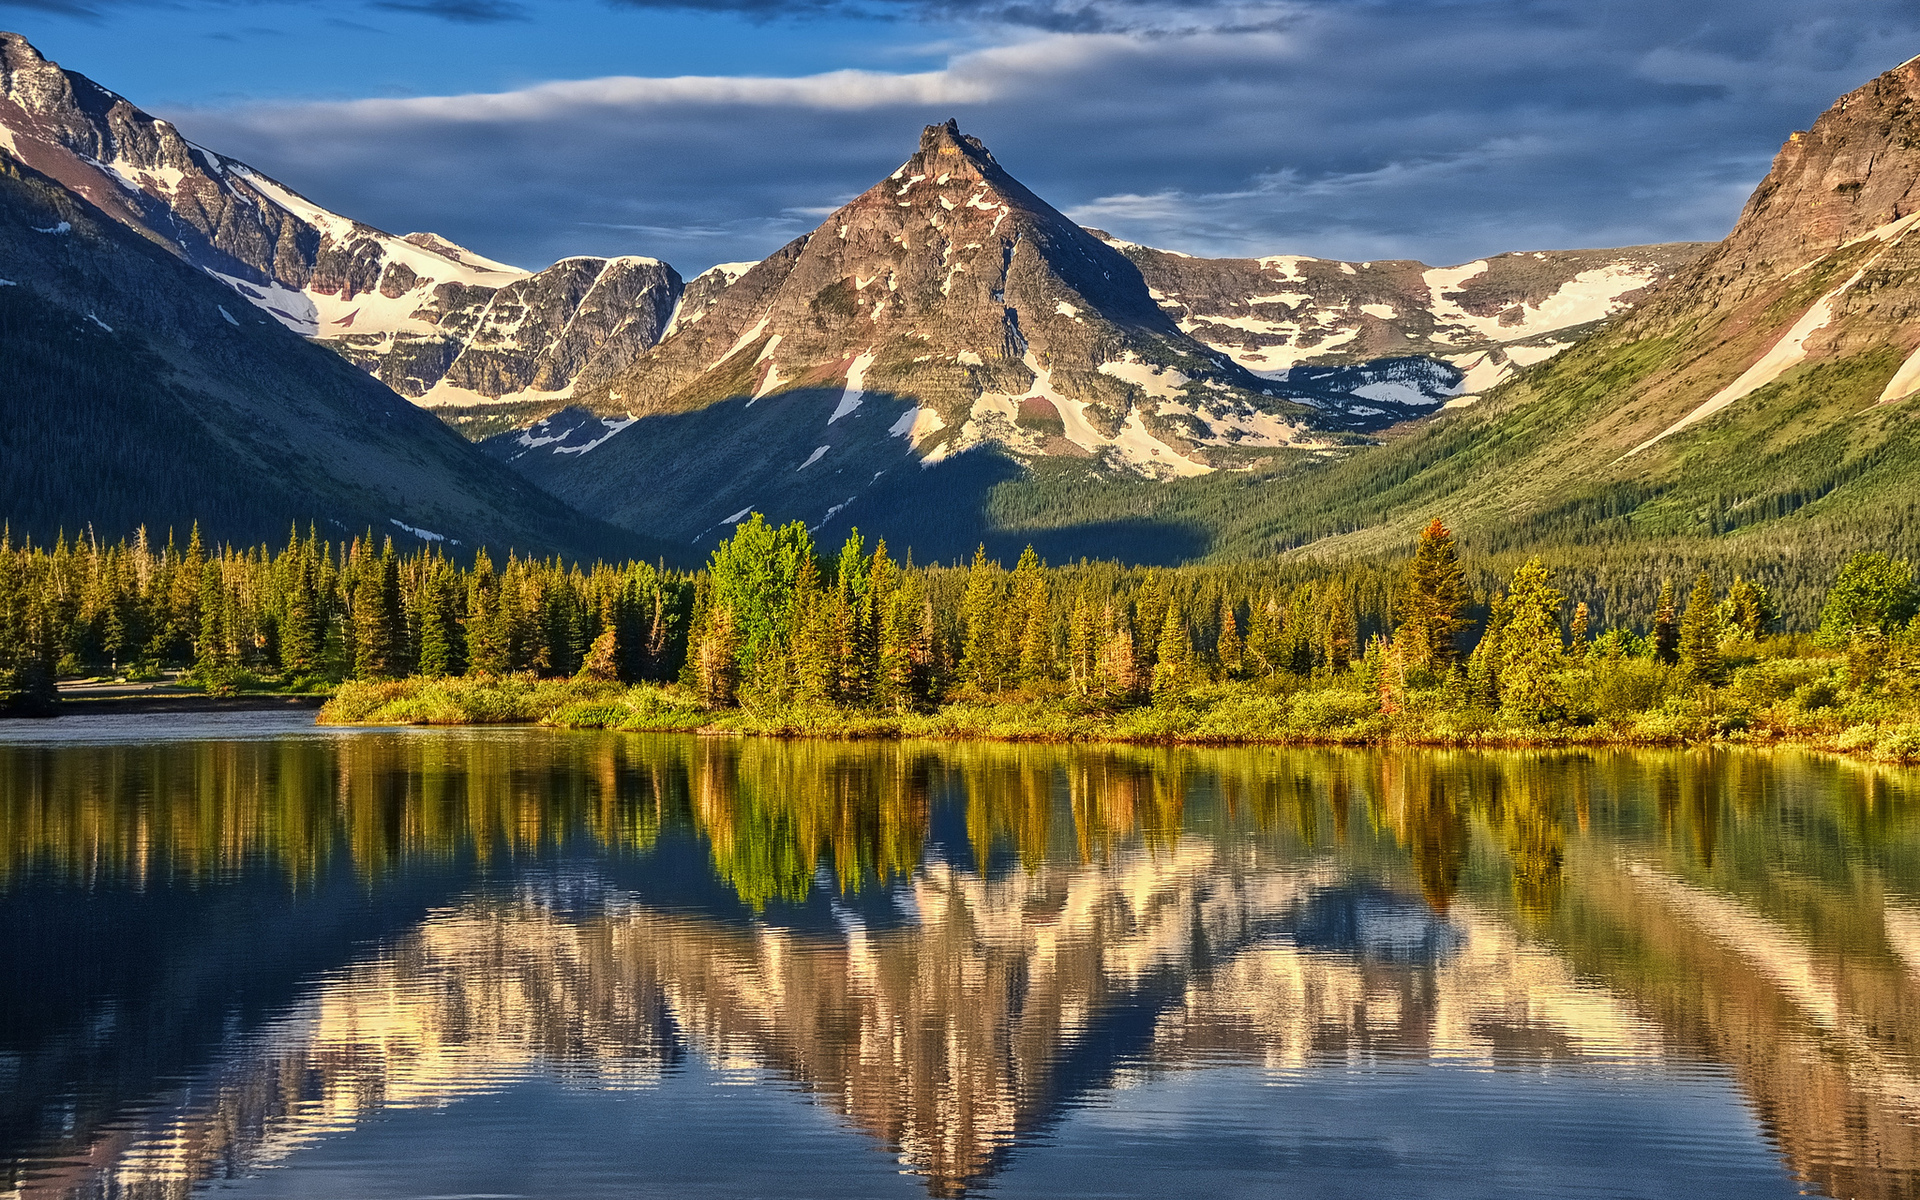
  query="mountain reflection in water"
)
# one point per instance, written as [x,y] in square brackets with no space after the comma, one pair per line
[226,953]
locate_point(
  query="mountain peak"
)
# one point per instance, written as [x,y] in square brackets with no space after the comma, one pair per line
[937,141]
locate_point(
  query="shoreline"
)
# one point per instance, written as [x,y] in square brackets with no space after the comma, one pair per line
[889,730]
[188,702]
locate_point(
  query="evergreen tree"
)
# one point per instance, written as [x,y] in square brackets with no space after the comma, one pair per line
[1230,647]
[1700,661]
[1666,629]
[439,626]
[1083,645]
[1577,642]
[1435,598]
[378,629]
[1749,610]
[1173,659]
[1531,644]
[1031,620]
[1339,633]
[981,664]
[719,667]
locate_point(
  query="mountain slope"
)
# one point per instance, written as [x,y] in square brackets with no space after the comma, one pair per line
[134,389]
[946,309]
[434,321]
[1300,320]
[1761,408]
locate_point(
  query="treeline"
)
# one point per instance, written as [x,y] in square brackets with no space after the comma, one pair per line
[317,611]
[774,622]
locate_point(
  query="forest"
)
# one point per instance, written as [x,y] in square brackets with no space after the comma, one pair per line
[775,635]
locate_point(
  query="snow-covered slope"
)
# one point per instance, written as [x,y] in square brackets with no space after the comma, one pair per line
[435,321]
[1278,315]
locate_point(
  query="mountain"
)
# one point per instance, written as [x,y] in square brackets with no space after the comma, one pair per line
[1451,332]
[434,321]
[135,389]
[945,309]
[1761,410]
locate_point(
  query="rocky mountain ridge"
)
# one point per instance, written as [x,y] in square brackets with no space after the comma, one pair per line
[434,321]
[136,390]
[1769,390]
[1485,319]
[946,308]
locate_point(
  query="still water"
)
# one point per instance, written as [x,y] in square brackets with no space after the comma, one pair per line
[247,955]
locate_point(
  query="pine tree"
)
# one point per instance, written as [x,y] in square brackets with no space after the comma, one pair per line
[439,626]
[1031,617]
[1749,609]
[378,629]
[1666,629]
[1230,647]
[1577,643]
[1699,648]
[719,667]
[981,665]
[1436,596]
[1173,659]
[1532,647]
[1083,645]
[1339,634]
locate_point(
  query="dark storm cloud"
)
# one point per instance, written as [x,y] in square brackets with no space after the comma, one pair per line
[1362,130]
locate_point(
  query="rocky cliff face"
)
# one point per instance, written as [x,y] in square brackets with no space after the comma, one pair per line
[1485,320]
[436,322]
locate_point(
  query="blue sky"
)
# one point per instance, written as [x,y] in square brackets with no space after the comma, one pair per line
[714,130]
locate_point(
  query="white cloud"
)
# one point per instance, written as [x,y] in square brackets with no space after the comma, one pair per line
[1437,131]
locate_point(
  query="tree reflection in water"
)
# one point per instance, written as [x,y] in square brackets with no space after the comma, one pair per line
[947,944]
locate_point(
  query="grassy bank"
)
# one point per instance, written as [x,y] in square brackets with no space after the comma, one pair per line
[1628,702]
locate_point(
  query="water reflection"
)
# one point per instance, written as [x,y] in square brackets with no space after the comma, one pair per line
[227,951]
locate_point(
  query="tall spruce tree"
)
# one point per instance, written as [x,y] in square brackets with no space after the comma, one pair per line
[1434,600]
[1699,649]
[1173,659]
[1666,627]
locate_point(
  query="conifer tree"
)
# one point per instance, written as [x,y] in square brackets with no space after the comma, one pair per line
[1700,661]
[1749,609]
[1339,633]
[1531,644]
[1489,657]
[981,665]
[1031,616]
[1173,659]
[378,630]
[1577,642]
[1435,598]
[1230,646]
[1666,628]
[487,652]
[718,658]
[1083,645]
[439,626]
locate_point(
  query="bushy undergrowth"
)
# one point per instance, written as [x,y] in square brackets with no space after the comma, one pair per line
[1620,702]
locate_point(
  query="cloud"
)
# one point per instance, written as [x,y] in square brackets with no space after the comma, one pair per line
[1398,128]
[466,12]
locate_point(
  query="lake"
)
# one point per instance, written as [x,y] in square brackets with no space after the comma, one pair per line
[247,954]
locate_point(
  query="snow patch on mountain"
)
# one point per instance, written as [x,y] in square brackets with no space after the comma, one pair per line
[1784,355]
